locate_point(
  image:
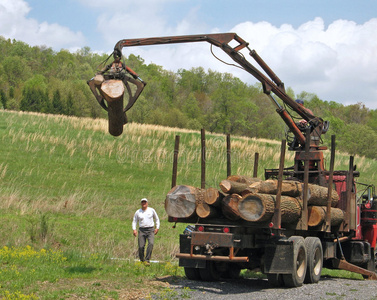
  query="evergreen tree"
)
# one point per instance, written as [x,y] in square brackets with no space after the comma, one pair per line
[57,105]
[4,99]
[69,109]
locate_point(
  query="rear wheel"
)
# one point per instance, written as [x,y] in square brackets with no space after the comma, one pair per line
[299,260]
[210,272]
[192,273]
[315,259]
[232,271]
[275,280]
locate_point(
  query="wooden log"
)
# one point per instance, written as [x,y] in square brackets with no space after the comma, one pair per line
[203,210]
[112,90]
[288,188]
[180,201]
[317,216]
[212,197]
[229,207]
[243,179]
[232,187]
[260,208]
[318,196]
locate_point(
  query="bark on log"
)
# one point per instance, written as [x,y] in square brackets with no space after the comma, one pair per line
[288,188]
[112,90]
[318,196]
[180,201]
[230,207]
[212,197]
[232,187]
[317,216]
[260,208]
[243,179]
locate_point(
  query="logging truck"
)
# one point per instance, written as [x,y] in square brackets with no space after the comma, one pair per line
[289,225]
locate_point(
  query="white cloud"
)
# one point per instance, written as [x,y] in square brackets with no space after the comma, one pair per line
[337,63]
[15,24]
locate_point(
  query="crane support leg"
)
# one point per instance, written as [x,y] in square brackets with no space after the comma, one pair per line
[342,264]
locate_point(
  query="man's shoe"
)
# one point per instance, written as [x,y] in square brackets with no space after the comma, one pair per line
[147,263]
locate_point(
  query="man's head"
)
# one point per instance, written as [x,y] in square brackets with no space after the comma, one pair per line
[144,203]
[299,101]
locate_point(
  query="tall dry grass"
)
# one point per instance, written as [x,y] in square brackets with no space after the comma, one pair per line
[91,182]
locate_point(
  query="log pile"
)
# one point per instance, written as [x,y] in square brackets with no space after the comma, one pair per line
[252,200]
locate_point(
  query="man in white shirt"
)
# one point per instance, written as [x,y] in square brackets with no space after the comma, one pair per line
[146,217]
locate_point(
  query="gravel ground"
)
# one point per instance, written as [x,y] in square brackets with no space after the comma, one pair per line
[327,288]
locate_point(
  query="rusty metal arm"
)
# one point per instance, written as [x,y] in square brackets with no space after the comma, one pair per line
[222,41]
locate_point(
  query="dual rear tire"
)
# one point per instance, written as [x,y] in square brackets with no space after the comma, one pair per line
[308,262]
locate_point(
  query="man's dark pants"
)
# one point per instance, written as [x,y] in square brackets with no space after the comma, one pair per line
[144,235]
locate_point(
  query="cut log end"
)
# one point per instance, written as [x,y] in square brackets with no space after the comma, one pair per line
[252,208]
[112,90]
[180,201]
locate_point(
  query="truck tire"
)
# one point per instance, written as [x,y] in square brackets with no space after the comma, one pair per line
[297,277]
[192,273]
[315,259]
[275,280]
[210,273]
[232,271]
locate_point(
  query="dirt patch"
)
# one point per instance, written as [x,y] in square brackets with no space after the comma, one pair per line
[124,291]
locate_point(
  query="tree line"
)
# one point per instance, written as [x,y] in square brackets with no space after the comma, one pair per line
[42,80]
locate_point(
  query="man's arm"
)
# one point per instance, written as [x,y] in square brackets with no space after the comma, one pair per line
[134,221]
[157,220]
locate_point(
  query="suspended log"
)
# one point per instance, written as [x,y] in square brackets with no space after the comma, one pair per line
[230,207]
[112,90]
[318,196]
[260,208]
[288,188]
[232,187]
[317,216]
[180,201]
[212,197]
[243,179]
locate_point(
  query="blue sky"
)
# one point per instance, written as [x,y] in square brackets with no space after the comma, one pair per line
[324,47]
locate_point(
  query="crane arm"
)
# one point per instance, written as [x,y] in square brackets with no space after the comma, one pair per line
[270,83]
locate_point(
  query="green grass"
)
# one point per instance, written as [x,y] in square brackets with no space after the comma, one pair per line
[27,273]
[68,185]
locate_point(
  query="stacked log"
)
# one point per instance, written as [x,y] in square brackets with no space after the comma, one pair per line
[233,187]
[230,207]
[260,208]
[318,196]
[243,179]
[184,201]
[248,199]
[317,216]
[180,202]
[205,197]
[288,188]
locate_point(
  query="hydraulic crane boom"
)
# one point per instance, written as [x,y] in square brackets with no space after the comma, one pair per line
[272,84]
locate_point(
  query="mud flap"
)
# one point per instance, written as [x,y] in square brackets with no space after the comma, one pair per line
[278,258]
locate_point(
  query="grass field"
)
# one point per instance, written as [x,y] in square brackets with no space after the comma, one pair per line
[69,187]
